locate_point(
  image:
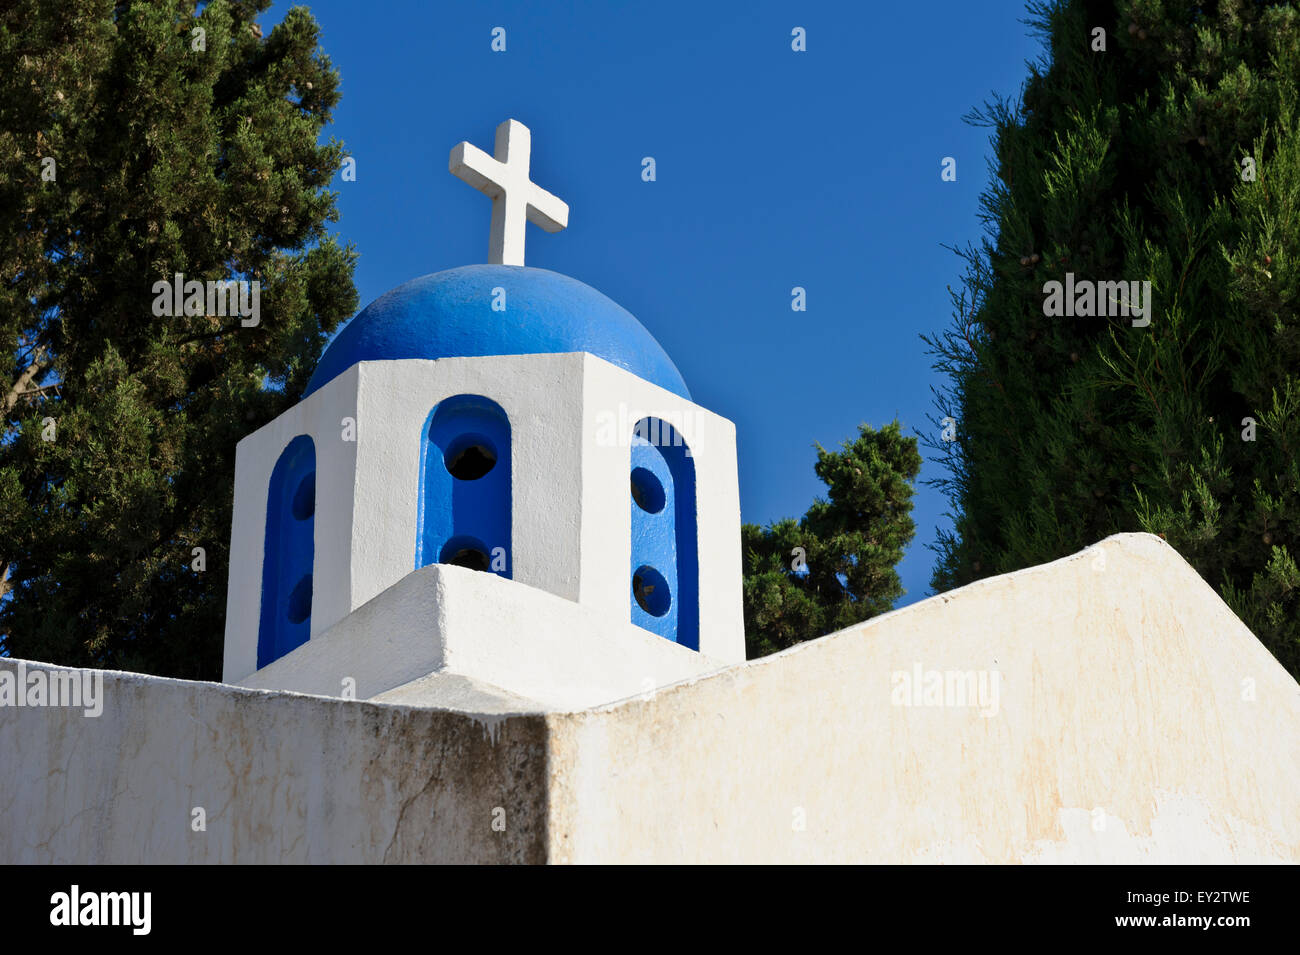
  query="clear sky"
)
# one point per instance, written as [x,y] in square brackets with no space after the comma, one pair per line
[774,168]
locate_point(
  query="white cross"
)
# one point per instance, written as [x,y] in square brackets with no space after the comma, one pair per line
[514,199]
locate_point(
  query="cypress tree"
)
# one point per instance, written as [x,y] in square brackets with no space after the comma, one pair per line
[139,140]
[835,566]
[1170,155]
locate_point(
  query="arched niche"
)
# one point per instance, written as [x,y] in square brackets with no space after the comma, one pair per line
[664,574]
[288,552]
[465,490]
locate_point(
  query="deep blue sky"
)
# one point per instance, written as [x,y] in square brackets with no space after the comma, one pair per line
[775,169]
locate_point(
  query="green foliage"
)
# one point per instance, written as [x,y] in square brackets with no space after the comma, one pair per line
[1128,165]
[850,544]
[167,159]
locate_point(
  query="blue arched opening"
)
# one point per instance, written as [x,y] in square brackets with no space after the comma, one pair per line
[665,558]
[464,510]
[287,553]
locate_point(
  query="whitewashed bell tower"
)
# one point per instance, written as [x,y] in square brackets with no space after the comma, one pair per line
[495,484]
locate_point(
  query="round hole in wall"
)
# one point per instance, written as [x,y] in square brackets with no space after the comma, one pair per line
[300,600]
[470,457]
[651,591]
[647,491]
[304,498]
[465,552]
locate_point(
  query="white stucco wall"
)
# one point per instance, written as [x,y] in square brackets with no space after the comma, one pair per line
[280,778]
[1136,721]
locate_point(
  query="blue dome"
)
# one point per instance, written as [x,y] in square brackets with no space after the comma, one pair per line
[449,314]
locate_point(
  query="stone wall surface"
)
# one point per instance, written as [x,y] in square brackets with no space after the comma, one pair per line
[1127,716]
[282,778]
[1137,721]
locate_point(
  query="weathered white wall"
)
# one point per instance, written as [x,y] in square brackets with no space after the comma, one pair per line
[1128,694]
[571,498]
[282,777]
[1136,720]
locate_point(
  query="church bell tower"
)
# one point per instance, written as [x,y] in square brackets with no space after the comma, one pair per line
[495,482]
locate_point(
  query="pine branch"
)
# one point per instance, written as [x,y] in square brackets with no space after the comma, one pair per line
[25,378]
